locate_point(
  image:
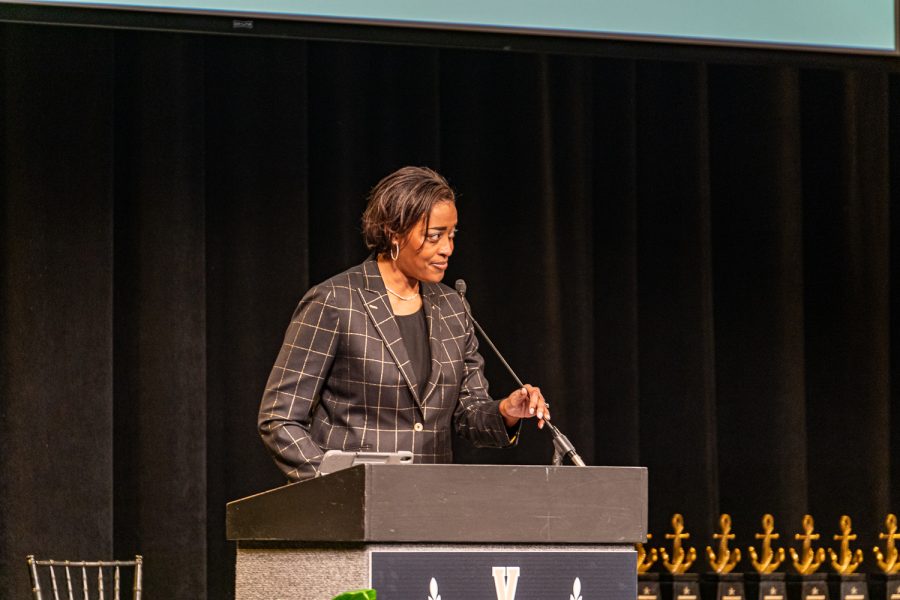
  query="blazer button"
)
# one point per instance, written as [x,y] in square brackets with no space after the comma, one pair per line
[418,427]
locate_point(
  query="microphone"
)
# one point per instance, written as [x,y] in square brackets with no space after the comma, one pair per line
[562,447]
[460,286]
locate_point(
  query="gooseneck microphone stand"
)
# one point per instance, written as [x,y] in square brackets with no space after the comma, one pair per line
[562,447]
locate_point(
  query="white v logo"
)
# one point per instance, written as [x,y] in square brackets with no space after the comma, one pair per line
[505,581]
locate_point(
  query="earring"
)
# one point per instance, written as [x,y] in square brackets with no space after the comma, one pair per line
[395,251]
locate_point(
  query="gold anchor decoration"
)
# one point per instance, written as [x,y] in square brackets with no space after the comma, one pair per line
[645,559]
[726,559]
[889,562]
[809,561]
[769,561]
[848,560]
[681,560]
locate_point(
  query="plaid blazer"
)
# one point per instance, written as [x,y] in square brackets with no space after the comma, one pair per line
[343,380]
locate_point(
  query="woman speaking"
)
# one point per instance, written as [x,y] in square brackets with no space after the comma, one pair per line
[383,357]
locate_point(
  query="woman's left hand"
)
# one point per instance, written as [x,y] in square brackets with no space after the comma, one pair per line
[525,403]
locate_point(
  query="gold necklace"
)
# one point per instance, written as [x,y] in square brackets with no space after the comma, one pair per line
[404,298]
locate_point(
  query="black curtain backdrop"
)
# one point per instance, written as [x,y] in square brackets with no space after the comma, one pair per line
[692,259]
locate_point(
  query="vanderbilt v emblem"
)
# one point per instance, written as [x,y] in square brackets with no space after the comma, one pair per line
[505,581]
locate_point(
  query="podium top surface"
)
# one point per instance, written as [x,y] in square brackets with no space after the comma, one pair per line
[451,504]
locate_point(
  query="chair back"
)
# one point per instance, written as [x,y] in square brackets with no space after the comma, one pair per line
[84,580]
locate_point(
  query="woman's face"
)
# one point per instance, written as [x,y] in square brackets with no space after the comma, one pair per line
[424,254]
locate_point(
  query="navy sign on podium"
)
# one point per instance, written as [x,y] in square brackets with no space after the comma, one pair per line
[478,575]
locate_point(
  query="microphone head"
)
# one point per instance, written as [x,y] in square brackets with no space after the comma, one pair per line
[460,286]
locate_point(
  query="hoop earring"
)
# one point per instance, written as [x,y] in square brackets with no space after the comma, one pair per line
[395,246]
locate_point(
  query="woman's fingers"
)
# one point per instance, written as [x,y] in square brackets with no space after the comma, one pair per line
[528,401]
[545,417]
[537,405]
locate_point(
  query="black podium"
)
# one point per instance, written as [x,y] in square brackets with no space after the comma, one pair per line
[454,531]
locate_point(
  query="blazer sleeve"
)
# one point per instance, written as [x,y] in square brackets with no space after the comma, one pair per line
[296,382]
[477,416]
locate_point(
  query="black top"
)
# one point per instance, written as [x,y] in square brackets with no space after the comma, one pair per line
[415,337]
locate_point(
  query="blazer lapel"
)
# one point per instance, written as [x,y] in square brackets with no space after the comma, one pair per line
[378,305]
[435,325]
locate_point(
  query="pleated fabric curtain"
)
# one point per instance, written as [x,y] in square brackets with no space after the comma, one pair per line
[692,259]
[56,289]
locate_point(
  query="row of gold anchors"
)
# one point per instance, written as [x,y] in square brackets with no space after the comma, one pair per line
[768,559]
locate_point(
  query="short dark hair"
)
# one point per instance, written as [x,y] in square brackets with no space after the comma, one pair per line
[399,201]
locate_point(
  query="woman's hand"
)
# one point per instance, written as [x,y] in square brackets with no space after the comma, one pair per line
[525,403]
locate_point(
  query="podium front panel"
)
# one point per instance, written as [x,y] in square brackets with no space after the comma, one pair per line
[459,571]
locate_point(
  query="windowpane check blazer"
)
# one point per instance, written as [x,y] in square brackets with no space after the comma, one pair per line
[343,379]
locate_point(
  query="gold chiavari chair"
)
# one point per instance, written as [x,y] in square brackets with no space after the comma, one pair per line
[78,580]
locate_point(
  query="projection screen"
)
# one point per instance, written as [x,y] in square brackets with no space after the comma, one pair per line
[867,26]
